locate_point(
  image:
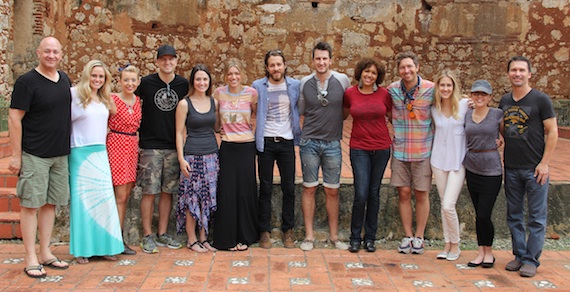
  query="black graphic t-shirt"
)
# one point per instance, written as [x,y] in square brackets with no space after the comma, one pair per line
[159,101]
[524,130]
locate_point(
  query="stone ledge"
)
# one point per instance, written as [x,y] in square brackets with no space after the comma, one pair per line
[388,217]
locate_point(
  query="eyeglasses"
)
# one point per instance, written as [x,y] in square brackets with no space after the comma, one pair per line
[410,108]
[321,94]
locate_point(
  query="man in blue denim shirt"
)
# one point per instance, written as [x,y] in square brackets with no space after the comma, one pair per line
[276,134]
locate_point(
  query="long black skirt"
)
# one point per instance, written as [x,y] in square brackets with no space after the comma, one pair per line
[236,217]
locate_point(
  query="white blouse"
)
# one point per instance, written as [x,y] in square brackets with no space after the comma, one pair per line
[449,144]
[89,124]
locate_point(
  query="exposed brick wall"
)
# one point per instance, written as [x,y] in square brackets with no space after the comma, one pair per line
[475,38]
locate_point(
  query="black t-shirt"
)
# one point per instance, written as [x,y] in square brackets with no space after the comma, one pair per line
[159,102]
[46,126]
[524,130]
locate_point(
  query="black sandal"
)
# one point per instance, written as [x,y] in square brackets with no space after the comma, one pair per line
[209,247]
[191,246]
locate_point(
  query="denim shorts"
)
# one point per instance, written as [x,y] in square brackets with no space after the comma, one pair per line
[324,154]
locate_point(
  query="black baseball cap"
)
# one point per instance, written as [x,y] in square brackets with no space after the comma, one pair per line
[166,50]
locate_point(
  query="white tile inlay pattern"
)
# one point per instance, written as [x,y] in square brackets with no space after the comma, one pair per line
[240,264]
[484,284]
[409,266]
[464,267]
[362,282]
[175,280]
[423,284]
[53,279]
[126,263]
[13,261]
[567,267]
[184,263]
[240,281]
[300,281]
[297,264]
[544,284]
[113,279]
[354,265]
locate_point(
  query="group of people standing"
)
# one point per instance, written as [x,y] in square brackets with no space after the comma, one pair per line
[176,151]
[463,144]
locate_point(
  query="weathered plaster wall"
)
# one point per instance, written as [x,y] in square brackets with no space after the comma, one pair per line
[474,37]
[5,52]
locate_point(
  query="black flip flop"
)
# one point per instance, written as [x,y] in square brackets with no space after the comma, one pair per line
[34,268]
[50,264]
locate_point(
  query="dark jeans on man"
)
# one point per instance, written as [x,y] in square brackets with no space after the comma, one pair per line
[282,151]
[368,169]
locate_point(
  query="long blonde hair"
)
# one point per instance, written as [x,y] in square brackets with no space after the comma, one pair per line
[84,89]
[455,95]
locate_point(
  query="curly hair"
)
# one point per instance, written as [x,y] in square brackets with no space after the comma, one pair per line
[367,63]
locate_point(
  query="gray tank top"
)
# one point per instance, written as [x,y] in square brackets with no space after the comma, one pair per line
[201,139]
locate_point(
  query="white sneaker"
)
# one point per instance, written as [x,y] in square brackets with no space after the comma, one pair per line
[307,244]
[442,255]
[451,256]
[406,245]
[339,244]
[418,246]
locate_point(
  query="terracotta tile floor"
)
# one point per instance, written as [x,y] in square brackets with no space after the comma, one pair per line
[280,269]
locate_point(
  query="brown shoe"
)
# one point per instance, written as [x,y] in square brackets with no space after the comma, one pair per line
[288,241]
[265,240]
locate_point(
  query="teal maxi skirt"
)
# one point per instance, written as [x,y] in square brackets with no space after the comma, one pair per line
[94,221]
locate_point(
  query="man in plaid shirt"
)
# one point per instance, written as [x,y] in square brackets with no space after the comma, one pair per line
[411,149]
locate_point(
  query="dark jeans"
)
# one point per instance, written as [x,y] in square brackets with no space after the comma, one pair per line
[483,191]
[518,183]
[283,152]
[368,169]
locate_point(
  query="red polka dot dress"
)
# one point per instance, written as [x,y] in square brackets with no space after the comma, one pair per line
[122,141]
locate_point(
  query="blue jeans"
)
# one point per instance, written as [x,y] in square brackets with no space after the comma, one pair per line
[324,154]
[519,182]
[368,169]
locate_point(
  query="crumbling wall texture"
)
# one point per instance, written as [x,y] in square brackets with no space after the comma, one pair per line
[473,37]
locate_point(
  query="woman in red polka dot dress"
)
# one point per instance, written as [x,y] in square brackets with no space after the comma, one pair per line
[122,141]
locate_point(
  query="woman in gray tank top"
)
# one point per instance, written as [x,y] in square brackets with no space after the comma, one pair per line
[197,148]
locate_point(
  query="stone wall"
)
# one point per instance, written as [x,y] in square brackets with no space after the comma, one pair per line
[473,37]
[5,50]
[389,223]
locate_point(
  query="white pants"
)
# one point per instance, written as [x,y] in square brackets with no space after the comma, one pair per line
[449,184]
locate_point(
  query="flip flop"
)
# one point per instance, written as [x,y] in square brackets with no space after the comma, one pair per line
[208,246]
[51,264]
[34,268]
[242,247]
[82,260]
[199,247]
[109,258]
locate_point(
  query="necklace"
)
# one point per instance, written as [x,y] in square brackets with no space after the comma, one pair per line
[129,104]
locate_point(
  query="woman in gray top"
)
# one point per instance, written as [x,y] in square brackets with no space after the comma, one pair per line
[483,167]
[197,150]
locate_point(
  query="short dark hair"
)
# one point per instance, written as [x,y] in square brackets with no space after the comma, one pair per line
[367,63]
[195,69]
[323,46]
[519,58]
[403,55]
[274,53]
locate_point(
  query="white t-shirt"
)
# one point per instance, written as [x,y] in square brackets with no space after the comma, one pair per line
[89,124]
[278,121]
[449,144]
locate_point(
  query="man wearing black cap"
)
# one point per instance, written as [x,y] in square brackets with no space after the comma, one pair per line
[158,170]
